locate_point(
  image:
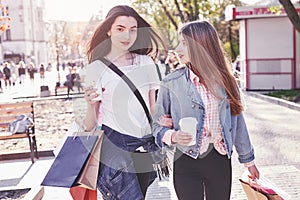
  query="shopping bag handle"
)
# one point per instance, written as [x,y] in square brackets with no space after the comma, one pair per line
[80,126]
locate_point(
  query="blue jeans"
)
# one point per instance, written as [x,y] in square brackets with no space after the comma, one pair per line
[117,176]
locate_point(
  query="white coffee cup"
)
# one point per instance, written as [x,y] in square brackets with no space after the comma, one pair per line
[90,77]
[189,125]
[98,87]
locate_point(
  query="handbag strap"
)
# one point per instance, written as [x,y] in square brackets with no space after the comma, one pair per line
[131,85]
[158,72]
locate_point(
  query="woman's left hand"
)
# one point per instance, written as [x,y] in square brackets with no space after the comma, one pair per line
[165,120]
[254,173]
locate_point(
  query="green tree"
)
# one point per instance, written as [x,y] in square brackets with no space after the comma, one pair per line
[152,11]
[295,19]
[170,14]
[176,11]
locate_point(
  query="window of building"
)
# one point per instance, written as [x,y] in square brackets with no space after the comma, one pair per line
[8,34]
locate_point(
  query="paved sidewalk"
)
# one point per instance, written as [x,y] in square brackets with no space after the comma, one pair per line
[278,158]
[18,174]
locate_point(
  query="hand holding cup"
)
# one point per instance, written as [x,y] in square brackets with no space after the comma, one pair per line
[188,125]
[91,82]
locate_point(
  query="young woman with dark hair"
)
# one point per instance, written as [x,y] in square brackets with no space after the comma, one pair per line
[125,39]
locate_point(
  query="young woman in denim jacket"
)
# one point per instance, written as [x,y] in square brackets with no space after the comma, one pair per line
[125,39]
[207,91]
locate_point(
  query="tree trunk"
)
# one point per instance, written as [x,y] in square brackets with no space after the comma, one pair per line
[179,11]
[168,14]
[291,13]
[295,19]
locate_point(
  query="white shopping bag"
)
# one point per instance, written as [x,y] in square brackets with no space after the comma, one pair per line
[262,187]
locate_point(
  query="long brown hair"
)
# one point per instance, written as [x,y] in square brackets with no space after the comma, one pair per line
[208,61]
[148,41]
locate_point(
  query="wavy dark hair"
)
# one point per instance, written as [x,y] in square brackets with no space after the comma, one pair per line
[148,41]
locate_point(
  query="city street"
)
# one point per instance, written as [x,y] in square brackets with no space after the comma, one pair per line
[274,132]
[275,135]
[259,40]
[32,89]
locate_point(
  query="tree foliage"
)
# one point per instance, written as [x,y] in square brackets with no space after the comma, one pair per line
[169,15]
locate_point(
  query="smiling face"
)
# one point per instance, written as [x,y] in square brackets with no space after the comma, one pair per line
[123,33]
[182,50]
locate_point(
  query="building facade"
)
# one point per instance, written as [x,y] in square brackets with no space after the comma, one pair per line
[27,37]
[269,49]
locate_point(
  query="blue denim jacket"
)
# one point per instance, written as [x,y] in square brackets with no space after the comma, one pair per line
[179,97]
[117,178]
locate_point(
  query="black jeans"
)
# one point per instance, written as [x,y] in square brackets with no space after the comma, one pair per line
[209,176]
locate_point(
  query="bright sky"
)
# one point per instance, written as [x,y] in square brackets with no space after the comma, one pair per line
[78,10]
[82,10]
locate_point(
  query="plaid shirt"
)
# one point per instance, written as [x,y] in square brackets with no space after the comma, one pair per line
[212,129]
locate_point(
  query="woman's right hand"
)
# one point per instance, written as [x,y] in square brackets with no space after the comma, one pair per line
[90,94]
[182,138]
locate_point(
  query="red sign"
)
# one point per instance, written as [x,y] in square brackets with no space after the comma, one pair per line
[253,12]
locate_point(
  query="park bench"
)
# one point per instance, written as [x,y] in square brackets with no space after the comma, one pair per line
[8,113]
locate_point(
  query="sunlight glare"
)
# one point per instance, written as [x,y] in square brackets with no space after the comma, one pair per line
[78,10]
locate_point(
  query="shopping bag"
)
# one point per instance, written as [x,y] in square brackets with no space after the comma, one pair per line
[261,189]
[87,189]
[89,175]
[74,128]
[70,161]
[256,192]
[81,193]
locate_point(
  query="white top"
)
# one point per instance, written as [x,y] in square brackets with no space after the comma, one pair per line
[120,109]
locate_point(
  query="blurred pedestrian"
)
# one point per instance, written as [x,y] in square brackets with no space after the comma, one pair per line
[22,72]
[162,60]
[7,74]
[31,72]
[77,80]
[14,73]
[125,39]
[69,83]
[49,67]
[42,73]
[205,90]
[172,60]
[1,77]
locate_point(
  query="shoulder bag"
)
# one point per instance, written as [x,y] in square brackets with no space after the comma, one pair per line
[162,168]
